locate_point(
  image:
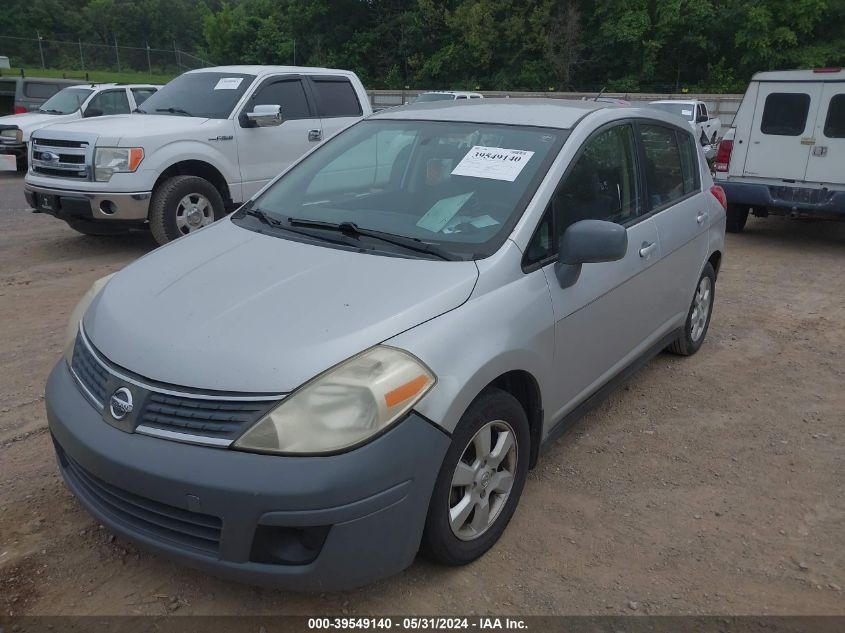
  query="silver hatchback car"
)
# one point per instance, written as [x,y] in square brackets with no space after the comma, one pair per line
[367,358]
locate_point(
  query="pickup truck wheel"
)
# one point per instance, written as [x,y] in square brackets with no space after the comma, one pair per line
[96,228]
[698,317]
[183,204]
[480,480]
[737,216]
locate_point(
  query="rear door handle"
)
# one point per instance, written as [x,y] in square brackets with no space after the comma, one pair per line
[701,217]
[315,135]
[647,248]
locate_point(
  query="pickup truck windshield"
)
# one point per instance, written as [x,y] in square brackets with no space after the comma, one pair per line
[210,95]
[683,110]
[459,187]
[66,101]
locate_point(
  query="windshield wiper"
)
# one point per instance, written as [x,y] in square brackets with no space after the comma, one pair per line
[50,111]
[353,230]
[140,111]
[270,220]
[172,110]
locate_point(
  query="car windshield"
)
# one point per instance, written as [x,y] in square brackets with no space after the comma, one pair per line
[459,187]
[683,110]
[66,101]
[210,95]
[435,96]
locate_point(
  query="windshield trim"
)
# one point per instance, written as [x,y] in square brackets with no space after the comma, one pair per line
[463,252]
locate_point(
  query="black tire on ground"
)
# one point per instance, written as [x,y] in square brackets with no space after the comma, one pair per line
[165,203]
[737,216]
[439,542]
[686,345]
[87,227]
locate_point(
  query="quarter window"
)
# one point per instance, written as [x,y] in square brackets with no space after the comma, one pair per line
[110,102]
[834,125]
[663,172]
[602,185]
[287,93]
[785,114]
[689,162]
[335,97]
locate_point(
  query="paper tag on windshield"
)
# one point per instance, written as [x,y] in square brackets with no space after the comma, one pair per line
[228,83]
[495,163]
[442,211]
[686,112]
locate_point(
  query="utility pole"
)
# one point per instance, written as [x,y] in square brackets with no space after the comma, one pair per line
[40,49]
[117,53]
[178,60]
[149,66]
[81,57]
[294,51]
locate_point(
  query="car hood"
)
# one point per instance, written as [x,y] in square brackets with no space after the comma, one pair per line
[30,121]
[233,310]
[130,129]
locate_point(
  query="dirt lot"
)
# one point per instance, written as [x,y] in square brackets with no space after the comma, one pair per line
[714,484]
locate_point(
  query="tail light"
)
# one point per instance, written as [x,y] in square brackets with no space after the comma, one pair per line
[20,110]
[719,194]
[723,156]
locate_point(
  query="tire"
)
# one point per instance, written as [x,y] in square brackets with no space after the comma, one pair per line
[96,228]
[737,216]
[496,412]
[698,317]
[183,204]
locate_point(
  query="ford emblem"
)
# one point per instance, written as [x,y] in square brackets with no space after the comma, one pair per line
[49,157]
[120,403]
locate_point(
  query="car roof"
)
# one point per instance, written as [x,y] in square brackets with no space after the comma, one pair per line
[259,70]
[554,113]
[818,74]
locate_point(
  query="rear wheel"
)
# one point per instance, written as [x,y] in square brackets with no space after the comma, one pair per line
[480,481]
[737,216]
[183,204]
[698,317]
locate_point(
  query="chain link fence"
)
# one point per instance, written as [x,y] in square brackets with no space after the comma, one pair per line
[81,57]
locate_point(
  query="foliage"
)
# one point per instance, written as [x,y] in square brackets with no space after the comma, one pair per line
[637,45]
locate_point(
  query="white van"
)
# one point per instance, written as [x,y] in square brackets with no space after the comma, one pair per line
[785,153]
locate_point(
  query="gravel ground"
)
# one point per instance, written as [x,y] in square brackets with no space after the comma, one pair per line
[712,484]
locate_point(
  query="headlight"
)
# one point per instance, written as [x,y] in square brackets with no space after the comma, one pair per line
[14,133]
[112,160]
[79,312]
[343,407]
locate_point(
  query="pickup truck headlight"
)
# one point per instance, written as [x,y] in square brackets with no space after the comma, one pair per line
[14,133]
[112,160]
[344,406]
[79,312]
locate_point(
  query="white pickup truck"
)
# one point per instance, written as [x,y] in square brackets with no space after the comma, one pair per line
[202,145]
[707,129]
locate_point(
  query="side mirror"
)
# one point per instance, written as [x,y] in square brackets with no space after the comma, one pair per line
[92,112]
[265,115]
[702,118]
[588,242]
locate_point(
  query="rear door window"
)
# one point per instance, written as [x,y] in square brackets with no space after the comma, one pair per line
[663,171]
[834,125]
[40,90]
[785,114]
[335,97]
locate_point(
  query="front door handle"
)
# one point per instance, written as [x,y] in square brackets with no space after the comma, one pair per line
[701,217]
[647,248]
[315,135]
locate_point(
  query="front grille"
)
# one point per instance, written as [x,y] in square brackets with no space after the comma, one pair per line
[46,142]
[61,173]
[93,376]
[221,419]
[158,520]
[72,159]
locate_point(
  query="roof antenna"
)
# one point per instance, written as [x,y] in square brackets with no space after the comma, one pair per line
[596,98]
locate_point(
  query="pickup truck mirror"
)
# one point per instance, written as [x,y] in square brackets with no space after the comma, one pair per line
[702,118]
[92,112]
[265,115]
[588,242]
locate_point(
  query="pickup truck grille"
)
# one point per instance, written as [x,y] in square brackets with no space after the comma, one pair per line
[60,158]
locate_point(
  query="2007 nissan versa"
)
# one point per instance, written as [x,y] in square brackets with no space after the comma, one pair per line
[366,359]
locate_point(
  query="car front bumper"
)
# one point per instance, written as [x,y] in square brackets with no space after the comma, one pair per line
[787,200]
[310,523]
[81,205]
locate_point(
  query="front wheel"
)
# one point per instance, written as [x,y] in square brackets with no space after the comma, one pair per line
[480,480]
[183,204]
[698,317]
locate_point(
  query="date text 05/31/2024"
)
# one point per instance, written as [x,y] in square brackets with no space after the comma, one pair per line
[418,623]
